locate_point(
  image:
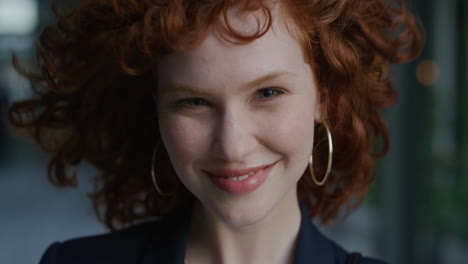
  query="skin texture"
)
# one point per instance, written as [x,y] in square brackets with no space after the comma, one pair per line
[234,126]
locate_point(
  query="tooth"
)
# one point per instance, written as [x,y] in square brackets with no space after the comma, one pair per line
[241,178]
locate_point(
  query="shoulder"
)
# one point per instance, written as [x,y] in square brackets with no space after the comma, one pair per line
[123,246]
[345,257]
[313,244]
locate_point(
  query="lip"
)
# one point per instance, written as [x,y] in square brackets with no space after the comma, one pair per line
[237,173]
[260,174]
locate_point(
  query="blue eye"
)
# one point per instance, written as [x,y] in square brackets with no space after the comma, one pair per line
[269,92]
[193,102]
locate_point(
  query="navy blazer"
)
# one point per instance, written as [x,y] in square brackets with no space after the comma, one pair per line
[164,241]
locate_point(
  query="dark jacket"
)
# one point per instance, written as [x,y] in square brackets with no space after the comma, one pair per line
[164,241]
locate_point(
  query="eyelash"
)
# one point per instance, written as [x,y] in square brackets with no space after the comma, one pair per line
[277,91]
[189,101]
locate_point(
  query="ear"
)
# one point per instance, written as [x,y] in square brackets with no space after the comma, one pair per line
[319,107]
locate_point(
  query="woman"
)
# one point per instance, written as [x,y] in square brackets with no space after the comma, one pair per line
[232,122]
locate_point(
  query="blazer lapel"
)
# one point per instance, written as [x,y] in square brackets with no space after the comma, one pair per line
[168,240]
[311,245]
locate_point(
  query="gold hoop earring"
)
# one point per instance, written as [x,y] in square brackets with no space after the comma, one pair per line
[153,177]
[330,156]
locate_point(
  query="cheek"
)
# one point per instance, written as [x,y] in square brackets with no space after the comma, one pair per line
[292,131]
[185,141]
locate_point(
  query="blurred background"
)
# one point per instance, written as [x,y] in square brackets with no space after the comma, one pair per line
[416,211]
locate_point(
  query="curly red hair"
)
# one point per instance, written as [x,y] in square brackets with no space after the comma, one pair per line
[96,81]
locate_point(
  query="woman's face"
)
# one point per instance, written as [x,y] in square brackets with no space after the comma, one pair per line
[229,110]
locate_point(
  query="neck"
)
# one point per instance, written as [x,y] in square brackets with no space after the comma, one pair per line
[270,240]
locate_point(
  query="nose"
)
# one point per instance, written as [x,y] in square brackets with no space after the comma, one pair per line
[234,136]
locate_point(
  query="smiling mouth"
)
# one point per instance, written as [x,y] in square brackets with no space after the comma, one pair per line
[238,174]
[240,178]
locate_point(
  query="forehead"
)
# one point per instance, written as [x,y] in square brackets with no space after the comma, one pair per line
[218,59]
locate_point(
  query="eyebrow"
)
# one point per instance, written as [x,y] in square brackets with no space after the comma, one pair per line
[174,88]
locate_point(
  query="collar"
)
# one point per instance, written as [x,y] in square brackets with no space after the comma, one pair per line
[311,244]
[169,241]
